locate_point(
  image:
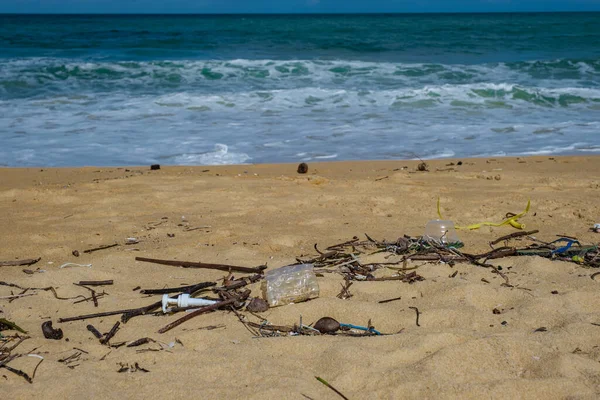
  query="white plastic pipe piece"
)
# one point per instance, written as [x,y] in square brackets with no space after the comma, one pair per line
[182,301]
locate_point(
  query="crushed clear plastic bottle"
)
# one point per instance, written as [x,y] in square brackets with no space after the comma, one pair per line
[290,284]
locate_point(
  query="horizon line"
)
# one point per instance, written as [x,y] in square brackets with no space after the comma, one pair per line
[311,13]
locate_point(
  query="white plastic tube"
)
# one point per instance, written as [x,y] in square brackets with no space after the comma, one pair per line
[182,301]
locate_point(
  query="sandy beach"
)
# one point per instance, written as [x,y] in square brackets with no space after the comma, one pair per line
[250,215]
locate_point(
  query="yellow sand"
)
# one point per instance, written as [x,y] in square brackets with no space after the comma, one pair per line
[251,215]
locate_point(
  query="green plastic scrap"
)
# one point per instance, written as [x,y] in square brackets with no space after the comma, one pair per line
[7,325]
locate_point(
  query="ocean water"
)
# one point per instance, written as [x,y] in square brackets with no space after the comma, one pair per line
[135,90]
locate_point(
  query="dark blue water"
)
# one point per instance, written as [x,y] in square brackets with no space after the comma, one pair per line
[101,90]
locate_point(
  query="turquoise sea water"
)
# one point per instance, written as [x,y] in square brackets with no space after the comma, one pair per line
[123,90]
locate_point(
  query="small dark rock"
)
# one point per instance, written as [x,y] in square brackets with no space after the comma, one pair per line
[422,166]
[541,329]
[554,292]
[327,325]
[504,323]
[496,311]
[154,167]
[257,305]
[51,333]
[75,253]
[171,235]
[302,168]
[459,163]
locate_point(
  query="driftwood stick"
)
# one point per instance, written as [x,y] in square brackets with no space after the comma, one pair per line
[244,295]
[496,253]
[29,261]
[140,311]
[512,236]
[238,283]
[107,313]
[140,342]
[92,291]
[110,334]
[94,331]
[108,246]
[435,257]
[418,313]
[190,264]
[96,283]
[274,328]
[349,242]
[182,289]
[390,300]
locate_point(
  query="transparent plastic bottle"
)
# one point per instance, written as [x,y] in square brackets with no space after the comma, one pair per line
[442,231]
[290,284]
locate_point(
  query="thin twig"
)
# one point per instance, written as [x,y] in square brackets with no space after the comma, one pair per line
[29,261]
[189,264]
[111,333]
[244,295]
[324,382]
[418,313]
[390,300]
[95,283]
[108,246]
[107,313]
[512,236]
[182,289]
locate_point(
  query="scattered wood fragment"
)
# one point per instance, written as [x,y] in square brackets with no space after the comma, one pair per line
[238,283]
[3,364]
[345,292]
[29,261]
[16,296]
[95,283]
[240,297]
[94,331]
[111,333]
[92,291]
[408,278]
[324,382]
[70,360]
[189,264]
[418,313]
[6,357]
[108,246]
[140,342]
[140,311]
[131,368]
[181,289]
[108,313]
[390,300]
[274,328]
[513,236]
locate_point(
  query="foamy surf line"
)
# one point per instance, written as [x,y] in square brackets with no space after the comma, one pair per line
[61,112]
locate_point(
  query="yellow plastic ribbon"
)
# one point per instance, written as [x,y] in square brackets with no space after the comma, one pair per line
[509,221]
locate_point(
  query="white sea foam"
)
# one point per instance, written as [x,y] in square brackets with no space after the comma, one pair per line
[61,112]
[219,156]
